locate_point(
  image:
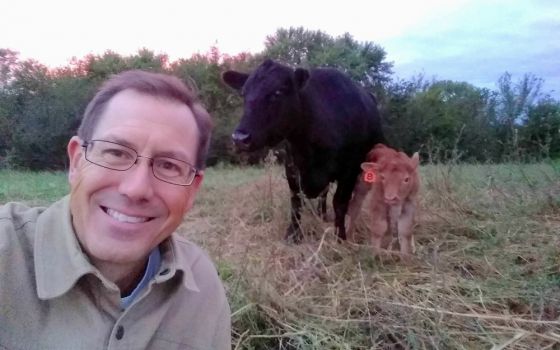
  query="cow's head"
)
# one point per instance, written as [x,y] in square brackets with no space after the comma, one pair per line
[271,103]
[396,173]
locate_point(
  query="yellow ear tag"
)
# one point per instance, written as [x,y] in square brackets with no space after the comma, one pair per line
[370,176]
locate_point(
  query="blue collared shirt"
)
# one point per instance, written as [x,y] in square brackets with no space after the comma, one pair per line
[154,261]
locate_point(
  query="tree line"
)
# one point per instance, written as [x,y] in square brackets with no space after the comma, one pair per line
[40,108]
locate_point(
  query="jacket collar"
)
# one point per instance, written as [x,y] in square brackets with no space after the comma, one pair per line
[60,261]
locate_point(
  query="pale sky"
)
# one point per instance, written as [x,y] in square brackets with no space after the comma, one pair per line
[463,40]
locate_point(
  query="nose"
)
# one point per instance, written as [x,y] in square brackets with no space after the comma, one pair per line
[391,198]
[241,139]
[137,182]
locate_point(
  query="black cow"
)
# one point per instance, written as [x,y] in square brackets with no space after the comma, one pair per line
[330,124]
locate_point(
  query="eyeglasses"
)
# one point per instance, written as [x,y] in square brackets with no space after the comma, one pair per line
[115,156]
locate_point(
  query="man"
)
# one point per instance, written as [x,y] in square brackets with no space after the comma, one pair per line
[102,268]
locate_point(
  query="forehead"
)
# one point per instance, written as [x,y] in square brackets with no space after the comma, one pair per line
[267,77]
[149,123]
[396,163]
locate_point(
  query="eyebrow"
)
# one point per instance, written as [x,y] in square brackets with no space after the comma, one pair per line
[169,154]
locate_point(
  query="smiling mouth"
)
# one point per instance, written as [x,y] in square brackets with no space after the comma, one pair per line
[125,218]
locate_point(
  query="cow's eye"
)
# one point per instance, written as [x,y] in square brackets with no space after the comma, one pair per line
[406,179]
[275,95]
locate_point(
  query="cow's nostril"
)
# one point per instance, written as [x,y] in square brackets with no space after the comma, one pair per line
[241,137]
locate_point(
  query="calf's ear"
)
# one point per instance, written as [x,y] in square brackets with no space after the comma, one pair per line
[235,79]
[369,166]
[301,77]
[415,160]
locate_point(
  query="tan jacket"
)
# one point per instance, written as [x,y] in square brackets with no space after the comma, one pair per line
[51,297]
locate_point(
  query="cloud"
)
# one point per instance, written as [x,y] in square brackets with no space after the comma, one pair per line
[480,43]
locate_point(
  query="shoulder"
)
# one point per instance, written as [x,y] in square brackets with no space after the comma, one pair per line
[18,215]
[17,223]
[192,257]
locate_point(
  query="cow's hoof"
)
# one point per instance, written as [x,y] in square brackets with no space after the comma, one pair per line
[340,235]
[293,235]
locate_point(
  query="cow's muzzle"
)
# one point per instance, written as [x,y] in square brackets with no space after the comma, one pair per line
[241,140]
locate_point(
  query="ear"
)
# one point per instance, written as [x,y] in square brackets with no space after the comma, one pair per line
[75,151]
[301,76]
[367,166]
[193,190]
[415,160]
[267,63]
[235,79]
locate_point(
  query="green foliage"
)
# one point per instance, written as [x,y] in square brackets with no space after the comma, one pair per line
[46,119]
[449,120]
[203,72]
[40,108]
[541,133]
[363,62]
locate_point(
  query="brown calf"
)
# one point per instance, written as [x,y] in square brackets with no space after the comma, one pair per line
[391,178]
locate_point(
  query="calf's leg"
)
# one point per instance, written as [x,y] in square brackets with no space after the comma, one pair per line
[378,231]
[405,225]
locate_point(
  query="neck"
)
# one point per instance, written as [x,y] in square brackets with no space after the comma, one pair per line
[125,276]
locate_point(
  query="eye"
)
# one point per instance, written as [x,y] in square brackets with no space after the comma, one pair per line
[406,179]
[168,166]
[116,153]
[276,94]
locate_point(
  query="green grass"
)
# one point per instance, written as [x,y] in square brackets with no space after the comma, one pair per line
[486,273]
[35,188]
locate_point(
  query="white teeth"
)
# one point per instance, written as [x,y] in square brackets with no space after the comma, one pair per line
[125,218]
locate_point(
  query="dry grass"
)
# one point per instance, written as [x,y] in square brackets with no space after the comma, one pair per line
[486,273]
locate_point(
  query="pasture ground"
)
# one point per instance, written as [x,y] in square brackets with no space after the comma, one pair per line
[486,273]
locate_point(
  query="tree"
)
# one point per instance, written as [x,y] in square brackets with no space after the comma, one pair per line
[540,134]
[203,72]
[8,63]
[46,121]
[513,103]
[446,119]
[364,62]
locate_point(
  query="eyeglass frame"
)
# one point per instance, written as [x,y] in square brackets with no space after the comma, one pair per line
[85,145]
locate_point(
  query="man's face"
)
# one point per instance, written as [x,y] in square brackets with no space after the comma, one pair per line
[120,216]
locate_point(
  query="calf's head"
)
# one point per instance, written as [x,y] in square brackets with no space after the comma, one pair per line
[395,173]
[271,103]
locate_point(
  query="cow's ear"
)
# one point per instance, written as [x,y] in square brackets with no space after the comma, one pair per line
[235,79]
[415,160]
[301,77]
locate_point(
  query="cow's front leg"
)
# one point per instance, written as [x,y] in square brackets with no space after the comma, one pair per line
[360,192]
[340,204]
[322,204]
[293,233]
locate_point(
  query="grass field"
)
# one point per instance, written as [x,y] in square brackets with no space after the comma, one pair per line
[486,273]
